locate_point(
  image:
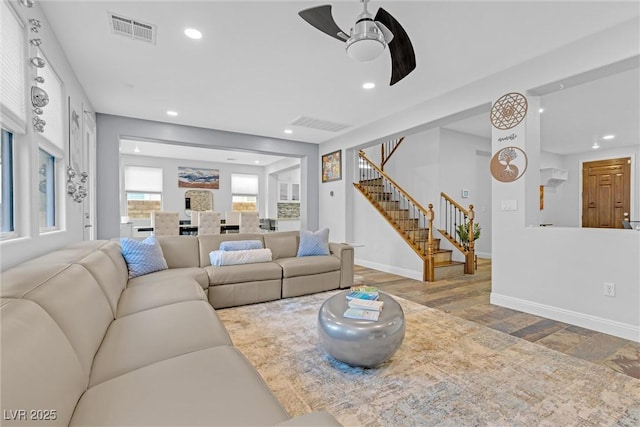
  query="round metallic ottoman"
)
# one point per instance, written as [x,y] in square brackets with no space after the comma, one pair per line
[360,342]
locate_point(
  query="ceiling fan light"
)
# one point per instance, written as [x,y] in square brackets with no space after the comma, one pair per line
[364,49]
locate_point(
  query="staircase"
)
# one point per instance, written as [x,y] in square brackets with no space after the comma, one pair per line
[412,222]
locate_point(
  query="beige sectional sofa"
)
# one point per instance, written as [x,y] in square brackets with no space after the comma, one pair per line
[84,345]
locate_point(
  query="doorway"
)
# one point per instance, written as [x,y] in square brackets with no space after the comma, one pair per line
[606,192]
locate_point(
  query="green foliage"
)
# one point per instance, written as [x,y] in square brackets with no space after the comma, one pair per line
[463,233]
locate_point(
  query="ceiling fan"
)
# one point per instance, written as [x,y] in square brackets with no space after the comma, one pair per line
[369,37]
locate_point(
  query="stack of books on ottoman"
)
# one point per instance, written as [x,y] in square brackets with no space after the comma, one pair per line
[363,303]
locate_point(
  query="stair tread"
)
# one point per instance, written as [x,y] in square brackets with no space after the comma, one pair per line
[447,263]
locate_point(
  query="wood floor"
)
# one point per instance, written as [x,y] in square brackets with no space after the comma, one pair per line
[468,297]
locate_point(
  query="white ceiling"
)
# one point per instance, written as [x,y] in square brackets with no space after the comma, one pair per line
[259,66]
[575,117]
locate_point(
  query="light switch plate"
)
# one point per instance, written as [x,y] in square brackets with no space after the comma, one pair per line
[509,205]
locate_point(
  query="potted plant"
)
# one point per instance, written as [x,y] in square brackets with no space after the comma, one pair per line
[462,230]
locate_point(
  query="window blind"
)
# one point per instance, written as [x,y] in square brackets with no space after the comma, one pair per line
[244,184]
[12,69]
[144,179]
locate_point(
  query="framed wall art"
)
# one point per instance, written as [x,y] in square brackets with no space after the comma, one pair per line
[198,178]
[332,166]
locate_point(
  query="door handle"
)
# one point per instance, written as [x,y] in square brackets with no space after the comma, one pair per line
[88,225]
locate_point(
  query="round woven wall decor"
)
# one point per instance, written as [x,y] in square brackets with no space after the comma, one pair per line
[508,164]
[509,110]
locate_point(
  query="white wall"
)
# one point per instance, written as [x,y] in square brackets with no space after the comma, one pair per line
[556,211]
[30,243]
[559,273]
[173,196]
[464,164]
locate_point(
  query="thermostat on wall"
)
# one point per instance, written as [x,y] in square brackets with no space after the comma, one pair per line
[465,193]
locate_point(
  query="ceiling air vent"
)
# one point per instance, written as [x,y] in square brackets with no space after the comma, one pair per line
[132,28]
[312,123]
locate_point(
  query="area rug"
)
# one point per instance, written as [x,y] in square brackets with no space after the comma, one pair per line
[448,371]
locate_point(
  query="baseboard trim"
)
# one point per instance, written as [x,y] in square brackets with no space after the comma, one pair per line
[404,272]
[618,329]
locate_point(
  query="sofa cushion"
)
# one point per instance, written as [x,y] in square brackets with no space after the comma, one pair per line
[283,244]
[39,369]
[157,334]
[243,273]
[173,275]
[68,254]
[106,273]
[114,251]
[143,257]
[234,294]
[150,295]
[180,251]
[215,386]
[313,243]
[306,266]
[72,297]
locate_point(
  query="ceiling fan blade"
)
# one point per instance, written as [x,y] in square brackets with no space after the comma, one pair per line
[403,58]
[321,18]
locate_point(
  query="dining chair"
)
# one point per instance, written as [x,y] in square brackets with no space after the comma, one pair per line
[165,223]
[232,218]
[249,222]
[208,223]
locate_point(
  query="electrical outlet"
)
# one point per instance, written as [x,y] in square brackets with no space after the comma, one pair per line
[609,289]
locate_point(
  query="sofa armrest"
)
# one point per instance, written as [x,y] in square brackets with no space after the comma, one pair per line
[344,252]
[314,419]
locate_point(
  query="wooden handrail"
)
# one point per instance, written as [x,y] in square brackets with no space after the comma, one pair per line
[392,182]
[454,203]
[383,158]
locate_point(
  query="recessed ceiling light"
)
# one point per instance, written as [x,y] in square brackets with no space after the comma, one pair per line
[192,33]
[368,85]
[595,145]
[172,113]
[256,161]
[540,110]
[288,131]
[136,149]
[608,137]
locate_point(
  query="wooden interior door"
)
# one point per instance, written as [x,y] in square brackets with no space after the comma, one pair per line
[606,193]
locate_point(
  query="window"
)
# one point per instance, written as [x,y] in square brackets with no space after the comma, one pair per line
[12,66]
[284,191]
[244,192]
[6,181]
[47,190]
[143,188]
[140,205]
[244,203]
[295,192]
